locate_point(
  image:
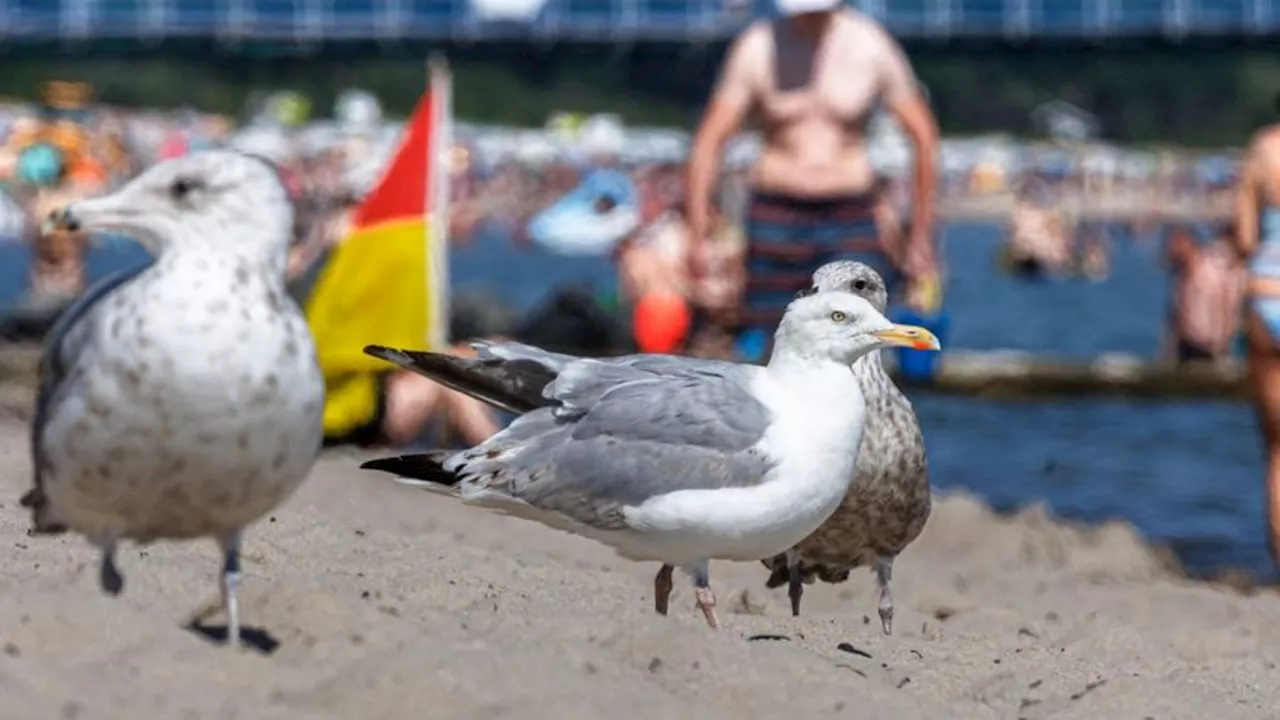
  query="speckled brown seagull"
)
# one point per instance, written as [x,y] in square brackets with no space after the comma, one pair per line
[889,501]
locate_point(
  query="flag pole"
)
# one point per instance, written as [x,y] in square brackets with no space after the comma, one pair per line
[440,147]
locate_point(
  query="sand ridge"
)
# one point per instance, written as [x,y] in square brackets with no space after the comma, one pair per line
[390,602]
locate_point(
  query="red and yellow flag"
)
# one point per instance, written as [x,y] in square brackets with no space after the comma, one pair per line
[384,283]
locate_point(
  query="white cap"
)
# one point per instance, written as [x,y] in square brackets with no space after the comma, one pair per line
[787,8]
[508,10]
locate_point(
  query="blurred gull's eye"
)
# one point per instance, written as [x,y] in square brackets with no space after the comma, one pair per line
[182,188]
[860,285]
[838,316]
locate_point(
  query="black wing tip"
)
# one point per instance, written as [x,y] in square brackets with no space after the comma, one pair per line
[409,359]
[425,466]
[388,464]
[395,356]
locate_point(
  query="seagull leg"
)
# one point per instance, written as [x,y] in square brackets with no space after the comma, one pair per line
[795,581]
[662,589]
[884,578]
[230,581]
[702,591]
[109,576]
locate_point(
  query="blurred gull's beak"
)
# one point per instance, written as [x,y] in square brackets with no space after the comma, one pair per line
[909,336]
[101,214]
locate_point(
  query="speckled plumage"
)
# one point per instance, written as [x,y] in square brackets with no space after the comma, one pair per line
[889,500]
[183,400]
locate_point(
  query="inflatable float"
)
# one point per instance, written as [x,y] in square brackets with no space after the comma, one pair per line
[592,218]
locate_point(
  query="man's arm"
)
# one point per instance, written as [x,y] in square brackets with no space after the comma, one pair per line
[900,95]
[732,99]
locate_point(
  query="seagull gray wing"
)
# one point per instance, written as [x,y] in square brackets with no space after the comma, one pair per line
[580,385]
[63,345]
[514,351]
[513,376]
[607,446]
[558,361]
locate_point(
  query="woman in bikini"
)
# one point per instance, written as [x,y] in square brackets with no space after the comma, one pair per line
[1258,243]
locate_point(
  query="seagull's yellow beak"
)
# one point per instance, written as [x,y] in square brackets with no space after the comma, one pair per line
[909,336]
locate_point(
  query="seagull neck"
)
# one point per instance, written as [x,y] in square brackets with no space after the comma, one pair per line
[874,379]
[789,366]
[870,363]
[259,246]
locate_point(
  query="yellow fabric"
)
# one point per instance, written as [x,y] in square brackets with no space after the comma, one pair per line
[373,291]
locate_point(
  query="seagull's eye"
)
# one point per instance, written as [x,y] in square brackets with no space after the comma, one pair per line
[182,188]
[859,284]
[838,316]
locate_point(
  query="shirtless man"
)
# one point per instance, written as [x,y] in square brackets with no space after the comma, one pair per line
[812,79]
[1207,291]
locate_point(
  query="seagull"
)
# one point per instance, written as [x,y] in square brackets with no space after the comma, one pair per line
[888,501]
[183,399]
[670,459]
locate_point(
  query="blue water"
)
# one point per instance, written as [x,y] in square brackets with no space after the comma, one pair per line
[1188,475]
[989,309]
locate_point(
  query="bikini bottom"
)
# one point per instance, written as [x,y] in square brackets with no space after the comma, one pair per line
[1267,308]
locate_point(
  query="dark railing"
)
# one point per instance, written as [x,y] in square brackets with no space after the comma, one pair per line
[608,20]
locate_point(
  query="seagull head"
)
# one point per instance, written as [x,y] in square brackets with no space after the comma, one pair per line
[217,197]
[841,326]
[850,276]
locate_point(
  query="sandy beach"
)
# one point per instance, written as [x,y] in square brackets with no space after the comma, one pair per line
[390,602]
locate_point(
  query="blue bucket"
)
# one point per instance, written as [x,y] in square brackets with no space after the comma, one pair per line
[921,366]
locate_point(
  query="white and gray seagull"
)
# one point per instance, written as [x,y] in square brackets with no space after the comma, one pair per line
[670,459]
[181,400]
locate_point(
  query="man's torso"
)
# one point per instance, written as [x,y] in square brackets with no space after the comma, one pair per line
[813,102]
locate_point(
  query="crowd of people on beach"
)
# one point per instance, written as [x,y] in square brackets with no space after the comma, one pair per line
[57,151]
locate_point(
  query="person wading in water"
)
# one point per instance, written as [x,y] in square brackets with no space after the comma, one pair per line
[813,79]
[1205,293]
